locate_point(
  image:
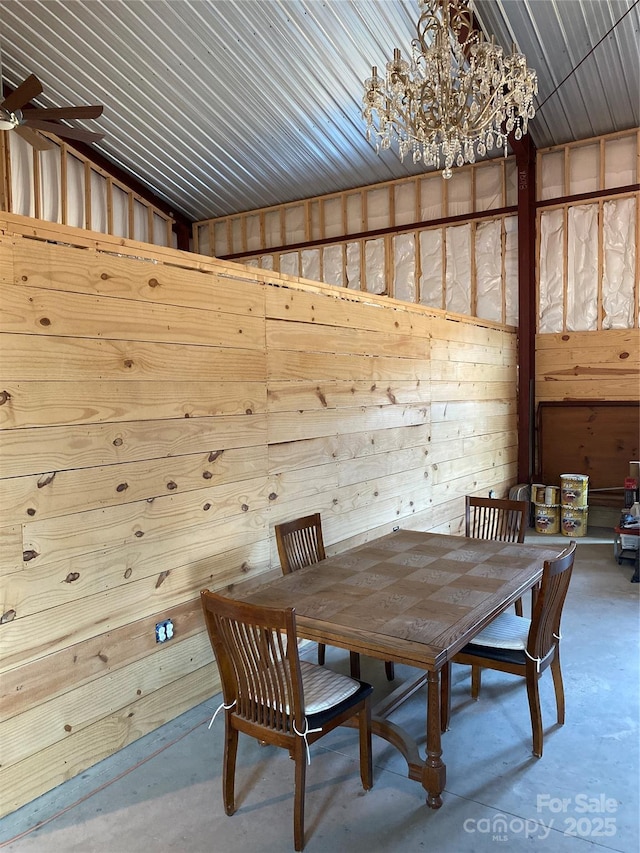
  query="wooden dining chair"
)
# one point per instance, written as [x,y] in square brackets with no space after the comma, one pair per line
[524,647]
[300,544]
[273,696]
[496,518]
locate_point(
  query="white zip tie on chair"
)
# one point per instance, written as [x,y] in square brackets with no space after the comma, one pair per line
[538,661]
[218,709]
[307,731]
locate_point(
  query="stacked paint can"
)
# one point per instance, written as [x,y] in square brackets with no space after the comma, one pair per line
[575,509]
[546,502]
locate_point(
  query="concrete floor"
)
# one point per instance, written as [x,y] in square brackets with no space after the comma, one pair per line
[163,793]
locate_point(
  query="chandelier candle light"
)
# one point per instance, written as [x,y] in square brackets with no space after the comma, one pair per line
[458,97]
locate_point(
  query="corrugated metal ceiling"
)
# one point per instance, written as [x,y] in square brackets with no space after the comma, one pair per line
[220,106]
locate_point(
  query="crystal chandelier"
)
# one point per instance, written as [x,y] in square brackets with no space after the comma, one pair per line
[458,97]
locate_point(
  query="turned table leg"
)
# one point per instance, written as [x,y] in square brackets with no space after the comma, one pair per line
[434,773]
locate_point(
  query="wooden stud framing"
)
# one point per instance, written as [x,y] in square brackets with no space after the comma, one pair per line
[5,173]
[110,205]
[88,170]
[636,287]
[37,184]
[473,296]
[418,266]
[600,261]
[443,251]
[87,195]
[565,263]
[63,185]
[307,219]
[503,268]
[131,218]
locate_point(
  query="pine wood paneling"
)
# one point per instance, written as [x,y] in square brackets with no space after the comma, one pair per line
[159,413]
[29,358]
[50,449]
[29,686]
[47,768]
[82,489]
[50,722]
[328,366]
[588,365]
[38,310]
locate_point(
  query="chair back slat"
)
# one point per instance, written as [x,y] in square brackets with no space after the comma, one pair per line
[259,667]
[545,624]
[494,518]
[300,542]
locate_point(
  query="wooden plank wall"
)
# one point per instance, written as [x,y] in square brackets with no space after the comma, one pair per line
[599,366]
[159,413]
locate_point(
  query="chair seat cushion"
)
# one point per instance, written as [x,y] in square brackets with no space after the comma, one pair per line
[324,688]
[511,656]
[506,631]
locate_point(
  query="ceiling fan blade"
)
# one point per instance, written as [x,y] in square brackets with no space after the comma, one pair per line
[46,114]
[34,139]
[64,130]
[25,92]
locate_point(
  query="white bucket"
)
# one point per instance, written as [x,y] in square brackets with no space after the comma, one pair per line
[552,495]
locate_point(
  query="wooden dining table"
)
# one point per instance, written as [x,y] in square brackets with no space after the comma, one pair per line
[412,597]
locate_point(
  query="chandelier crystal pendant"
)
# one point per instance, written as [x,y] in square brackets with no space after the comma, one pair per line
[458,98]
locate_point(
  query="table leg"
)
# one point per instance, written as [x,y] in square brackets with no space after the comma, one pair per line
[434,772]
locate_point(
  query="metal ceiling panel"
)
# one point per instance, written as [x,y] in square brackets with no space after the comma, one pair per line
[220,106]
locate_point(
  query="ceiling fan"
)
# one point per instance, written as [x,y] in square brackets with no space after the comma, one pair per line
[26,121]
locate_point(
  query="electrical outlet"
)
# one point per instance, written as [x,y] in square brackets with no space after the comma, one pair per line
[164,631]
[492,493]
